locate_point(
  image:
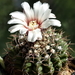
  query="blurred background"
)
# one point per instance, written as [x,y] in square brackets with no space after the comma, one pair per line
[63,9]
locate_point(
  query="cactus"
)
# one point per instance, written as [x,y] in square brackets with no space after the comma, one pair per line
[43,57]
[38,49]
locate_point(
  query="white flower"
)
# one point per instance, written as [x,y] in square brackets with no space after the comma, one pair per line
[31,21]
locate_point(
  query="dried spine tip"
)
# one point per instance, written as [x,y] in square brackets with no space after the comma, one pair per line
[47,47]
[52,44]
[47,56]
[59,47]
[36,45]
[52,51]
[30,51]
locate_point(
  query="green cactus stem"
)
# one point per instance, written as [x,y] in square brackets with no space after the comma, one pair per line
[43,57]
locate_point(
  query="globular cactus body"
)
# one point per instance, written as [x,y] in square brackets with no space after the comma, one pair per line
[43,57]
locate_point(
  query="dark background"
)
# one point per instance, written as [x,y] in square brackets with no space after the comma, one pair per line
[63,9]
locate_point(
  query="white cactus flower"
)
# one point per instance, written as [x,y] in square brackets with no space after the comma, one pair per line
[31,21]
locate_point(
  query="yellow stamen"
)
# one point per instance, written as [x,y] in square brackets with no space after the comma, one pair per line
[32,24]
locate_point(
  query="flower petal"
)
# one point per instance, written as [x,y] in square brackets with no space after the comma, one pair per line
[36,8]
[18,15]
[32,14]
[34,35]
[15,28]
[45,15]
[37,35]
[42,9]
[52,15]
[45,24]
[27,9]
[45,6]
[23,30]
[30,36]
[37,5]
[55,22]
[16,21]
[25,5]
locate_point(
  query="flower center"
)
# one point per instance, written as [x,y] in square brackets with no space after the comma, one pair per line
[33,25]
